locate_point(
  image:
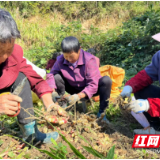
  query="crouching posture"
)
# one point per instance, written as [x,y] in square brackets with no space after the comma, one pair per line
[13,68]
[147,95]
[77,72]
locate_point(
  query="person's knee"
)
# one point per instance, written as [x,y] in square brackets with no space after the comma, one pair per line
[58,78]
[106,81]
[21,75]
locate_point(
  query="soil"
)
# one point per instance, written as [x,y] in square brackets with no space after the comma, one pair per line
[100,135]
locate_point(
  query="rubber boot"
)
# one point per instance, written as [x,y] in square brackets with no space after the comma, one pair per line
[31,132]
[104,118]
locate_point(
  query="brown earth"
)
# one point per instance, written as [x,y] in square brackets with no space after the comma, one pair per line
[97,133]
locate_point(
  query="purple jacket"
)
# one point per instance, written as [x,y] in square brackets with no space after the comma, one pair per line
[153,69]
[84,77]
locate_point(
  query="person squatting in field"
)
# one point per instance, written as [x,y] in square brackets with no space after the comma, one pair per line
[147,95]
[13,68]
[52,61]
[77,72]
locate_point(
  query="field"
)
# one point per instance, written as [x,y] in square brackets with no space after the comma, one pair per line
[86,130]
[120,33]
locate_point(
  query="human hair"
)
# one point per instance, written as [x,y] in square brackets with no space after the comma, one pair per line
[92,51]
[8,27]
[56,54]
[70,44]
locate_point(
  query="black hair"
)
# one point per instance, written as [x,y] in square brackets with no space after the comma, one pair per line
[56,54]
[70,44]
[92,51]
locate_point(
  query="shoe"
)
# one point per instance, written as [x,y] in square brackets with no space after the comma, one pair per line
[148,130]
[30,132]
[104,118]
[156,125]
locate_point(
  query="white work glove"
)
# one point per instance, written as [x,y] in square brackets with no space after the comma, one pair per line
[139,105]
[73,99]
[126,92]
[55,96]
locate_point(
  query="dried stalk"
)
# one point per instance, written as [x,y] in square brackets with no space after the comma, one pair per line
[75,112]
[37,111]
[33,118]
[69,106]
[92,103]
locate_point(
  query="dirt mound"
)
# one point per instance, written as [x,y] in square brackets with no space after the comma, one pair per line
[84,130]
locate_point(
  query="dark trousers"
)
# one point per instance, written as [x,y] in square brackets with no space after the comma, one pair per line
[27,99]
[150,91]
[104,89]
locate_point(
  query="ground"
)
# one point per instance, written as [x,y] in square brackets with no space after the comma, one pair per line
[85,130]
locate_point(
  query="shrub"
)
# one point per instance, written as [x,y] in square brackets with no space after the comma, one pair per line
[132,47]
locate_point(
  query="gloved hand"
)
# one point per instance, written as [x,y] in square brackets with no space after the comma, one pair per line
[55,96]
[139,105]
[127,90]
[73,99]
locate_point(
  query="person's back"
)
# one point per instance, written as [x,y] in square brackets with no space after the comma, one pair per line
[92,51]
[52,61]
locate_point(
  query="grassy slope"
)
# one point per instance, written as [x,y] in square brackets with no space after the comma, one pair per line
[40,31]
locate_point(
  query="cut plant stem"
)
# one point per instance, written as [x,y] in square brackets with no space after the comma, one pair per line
[75,112]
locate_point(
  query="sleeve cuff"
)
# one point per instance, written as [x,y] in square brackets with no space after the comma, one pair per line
[87,93]
[154,107]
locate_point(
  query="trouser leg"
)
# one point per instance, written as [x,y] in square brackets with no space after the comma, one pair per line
[63,85]
[150,91]
[104,90]
[27,103]
[60,83]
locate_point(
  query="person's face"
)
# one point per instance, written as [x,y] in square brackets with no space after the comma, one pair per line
[71,57]
[6,50]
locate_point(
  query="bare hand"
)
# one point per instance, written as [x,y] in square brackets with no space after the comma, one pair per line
[9,104]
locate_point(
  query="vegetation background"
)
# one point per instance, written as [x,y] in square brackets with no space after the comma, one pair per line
[120,31]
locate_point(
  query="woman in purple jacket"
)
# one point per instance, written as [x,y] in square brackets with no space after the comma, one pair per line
[77,72]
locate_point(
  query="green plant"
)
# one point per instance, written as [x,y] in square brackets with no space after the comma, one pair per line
[131,46]
[78,9]
[112,112]
[60,152]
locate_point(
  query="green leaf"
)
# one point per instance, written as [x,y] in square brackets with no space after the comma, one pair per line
[23,152]
[78,154]
[54,151]
[60,155]
[1,142]
[93,152]
[83,138]
[20,155]
[11,154]
[50,154]
[110,154]
[53,141]
[27,156]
